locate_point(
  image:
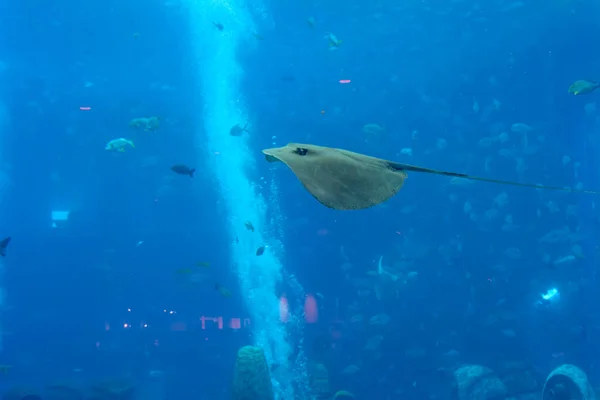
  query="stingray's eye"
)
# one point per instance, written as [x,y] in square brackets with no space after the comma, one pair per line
[300,151]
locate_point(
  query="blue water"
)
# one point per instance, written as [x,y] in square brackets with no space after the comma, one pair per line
[114,293]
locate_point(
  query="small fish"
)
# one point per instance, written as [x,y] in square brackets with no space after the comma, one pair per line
[238,130]
[5,368]
[258,36]
[203,264]
[249,226]
[3,245]
[119,145]
[565,260]
[136,35]
[218,25]
[334,42]
[222,291]
[147,124]
[311,22]
[184,271]
[583,87]
[183,170]
[261,250]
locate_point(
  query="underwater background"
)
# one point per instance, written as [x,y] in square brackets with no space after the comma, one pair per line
[130,276]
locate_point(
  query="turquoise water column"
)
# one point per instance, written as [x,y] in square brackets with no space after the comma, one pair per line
[230,158]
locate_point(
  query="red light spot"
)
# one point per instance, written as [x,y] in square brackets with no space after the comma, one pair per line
[335,329]
[344,81]
[235,323]
[284,310]
[311,313]
[398,233]
[85,108]
[490,279]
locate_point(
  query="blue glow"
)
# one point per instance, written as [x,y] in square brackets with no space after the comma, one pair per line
[551,295]
[230,157]
[60,215]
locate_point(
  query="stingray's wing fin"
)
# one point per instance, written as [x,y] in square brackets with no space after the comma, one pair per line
[414,168]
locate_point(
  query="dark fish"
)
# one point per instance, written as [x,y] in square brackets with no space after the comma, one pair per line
[260,251]
[222,291]
[237,130]
[3,245]
[218,25]
[183,170]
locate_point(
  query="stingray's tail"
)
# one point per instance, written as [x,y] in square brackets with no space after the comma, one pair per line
[414,168]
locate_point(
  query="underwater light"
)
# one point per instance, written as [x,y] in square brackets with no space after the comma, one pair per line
[551,296]
[59,217]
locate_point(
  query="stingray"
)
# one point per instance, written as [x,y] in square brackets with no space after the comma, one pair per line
[344,180]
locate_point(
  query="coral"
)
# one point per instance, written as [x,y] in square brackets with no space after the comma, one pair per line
[478,382]
[569,382]
[252,380]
